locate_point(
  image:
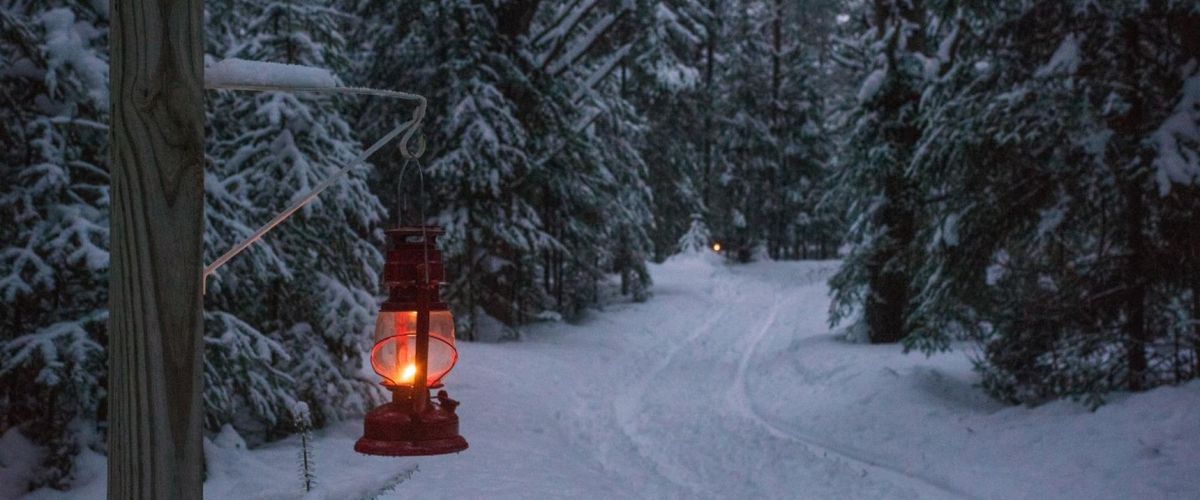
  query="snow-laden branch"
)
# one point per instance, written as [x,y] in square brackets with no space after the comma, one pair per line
[564,23]
[577,128]
[243,74]
[240,74]
[557,65]
[601,72]
[556,60]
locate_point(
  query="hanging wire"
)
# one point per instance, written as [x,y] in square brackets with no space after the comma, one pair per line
[421,211]
[401,195]
[402,199]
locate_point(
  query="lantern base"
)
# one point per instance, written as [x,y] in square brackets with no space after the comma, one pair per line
[395,430]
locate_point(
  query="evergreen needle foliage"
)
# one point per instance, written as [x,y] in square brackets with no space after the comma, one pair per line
[1023,175]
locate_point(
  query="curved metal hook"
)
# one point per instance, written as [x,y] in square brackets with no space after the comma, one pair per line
[408,155]
[418,117]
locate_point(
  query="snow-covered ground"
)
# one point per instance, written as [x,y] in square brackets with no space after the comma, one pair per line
[728,384]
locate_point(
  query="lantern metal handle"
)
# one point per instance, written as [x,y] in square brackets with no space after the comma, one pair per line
[409,129]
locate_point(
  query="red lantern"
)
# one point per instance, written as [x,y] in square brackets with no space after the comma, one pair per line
[414,349]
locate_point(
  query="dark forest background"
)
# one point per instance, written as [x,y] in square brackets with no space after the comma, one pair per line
[1022,175]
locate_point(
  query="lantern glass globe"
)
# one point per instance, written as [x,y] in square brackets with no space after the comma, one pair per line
[394,356]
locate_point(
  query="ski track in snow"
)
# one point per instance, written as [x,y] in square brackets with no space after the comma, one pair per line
[740,400]
[650,444]
[626,404]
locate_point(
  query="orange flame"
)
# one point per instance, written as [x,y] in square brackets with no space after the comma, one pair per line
[409,373]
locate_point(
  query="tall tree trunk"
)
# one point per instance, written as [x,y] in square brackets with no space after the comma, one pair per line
[1129,126]
[155,334]
[710,46]
[781,178]
[1135,299]
[887,299]
[887,302]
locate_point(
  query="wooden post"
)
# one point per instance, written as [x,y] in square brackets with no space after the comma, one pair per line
[154,348]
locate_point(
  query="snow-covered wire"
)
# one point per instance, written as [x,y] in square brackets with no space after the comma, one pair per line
[409,129]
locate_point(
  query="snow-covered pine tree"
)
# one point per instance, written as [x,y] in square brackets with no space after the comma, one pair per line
[741,193]
[664,78]
[1058,153]
[596,202]
[389,49]
[771,132]
[800,227]
[479,151]
[54,239]
[443,51]
[881,130]
[696,239]
[245,373]
[1174,315]
[710,160]
[290,319]
[534,160]
[626,212]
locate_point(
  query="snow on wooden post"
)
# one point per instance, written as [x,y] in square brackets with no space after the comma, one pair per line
[157,134]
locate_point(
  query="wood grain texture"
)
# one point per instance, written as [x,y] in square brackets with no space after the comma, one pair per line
[155,331]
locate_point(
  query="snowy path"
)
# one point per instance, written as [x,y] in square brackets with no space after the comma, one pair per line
[728,384]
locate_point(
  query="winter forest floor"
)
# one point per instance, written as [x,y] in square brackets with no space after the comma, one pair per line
[728,383]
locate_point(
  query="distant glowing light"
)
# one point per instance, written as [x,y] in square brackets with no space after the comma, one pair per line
[716,247]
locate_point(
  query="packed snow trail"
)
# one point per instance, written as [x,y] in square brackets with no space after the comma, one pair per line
[727,383]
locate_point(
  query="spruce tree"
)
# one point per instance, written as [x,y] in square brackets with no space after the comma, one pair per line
[882,128]
[771,133]
[54,242]
[244,365]
[1054,153]
[290,319]
[664,77]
